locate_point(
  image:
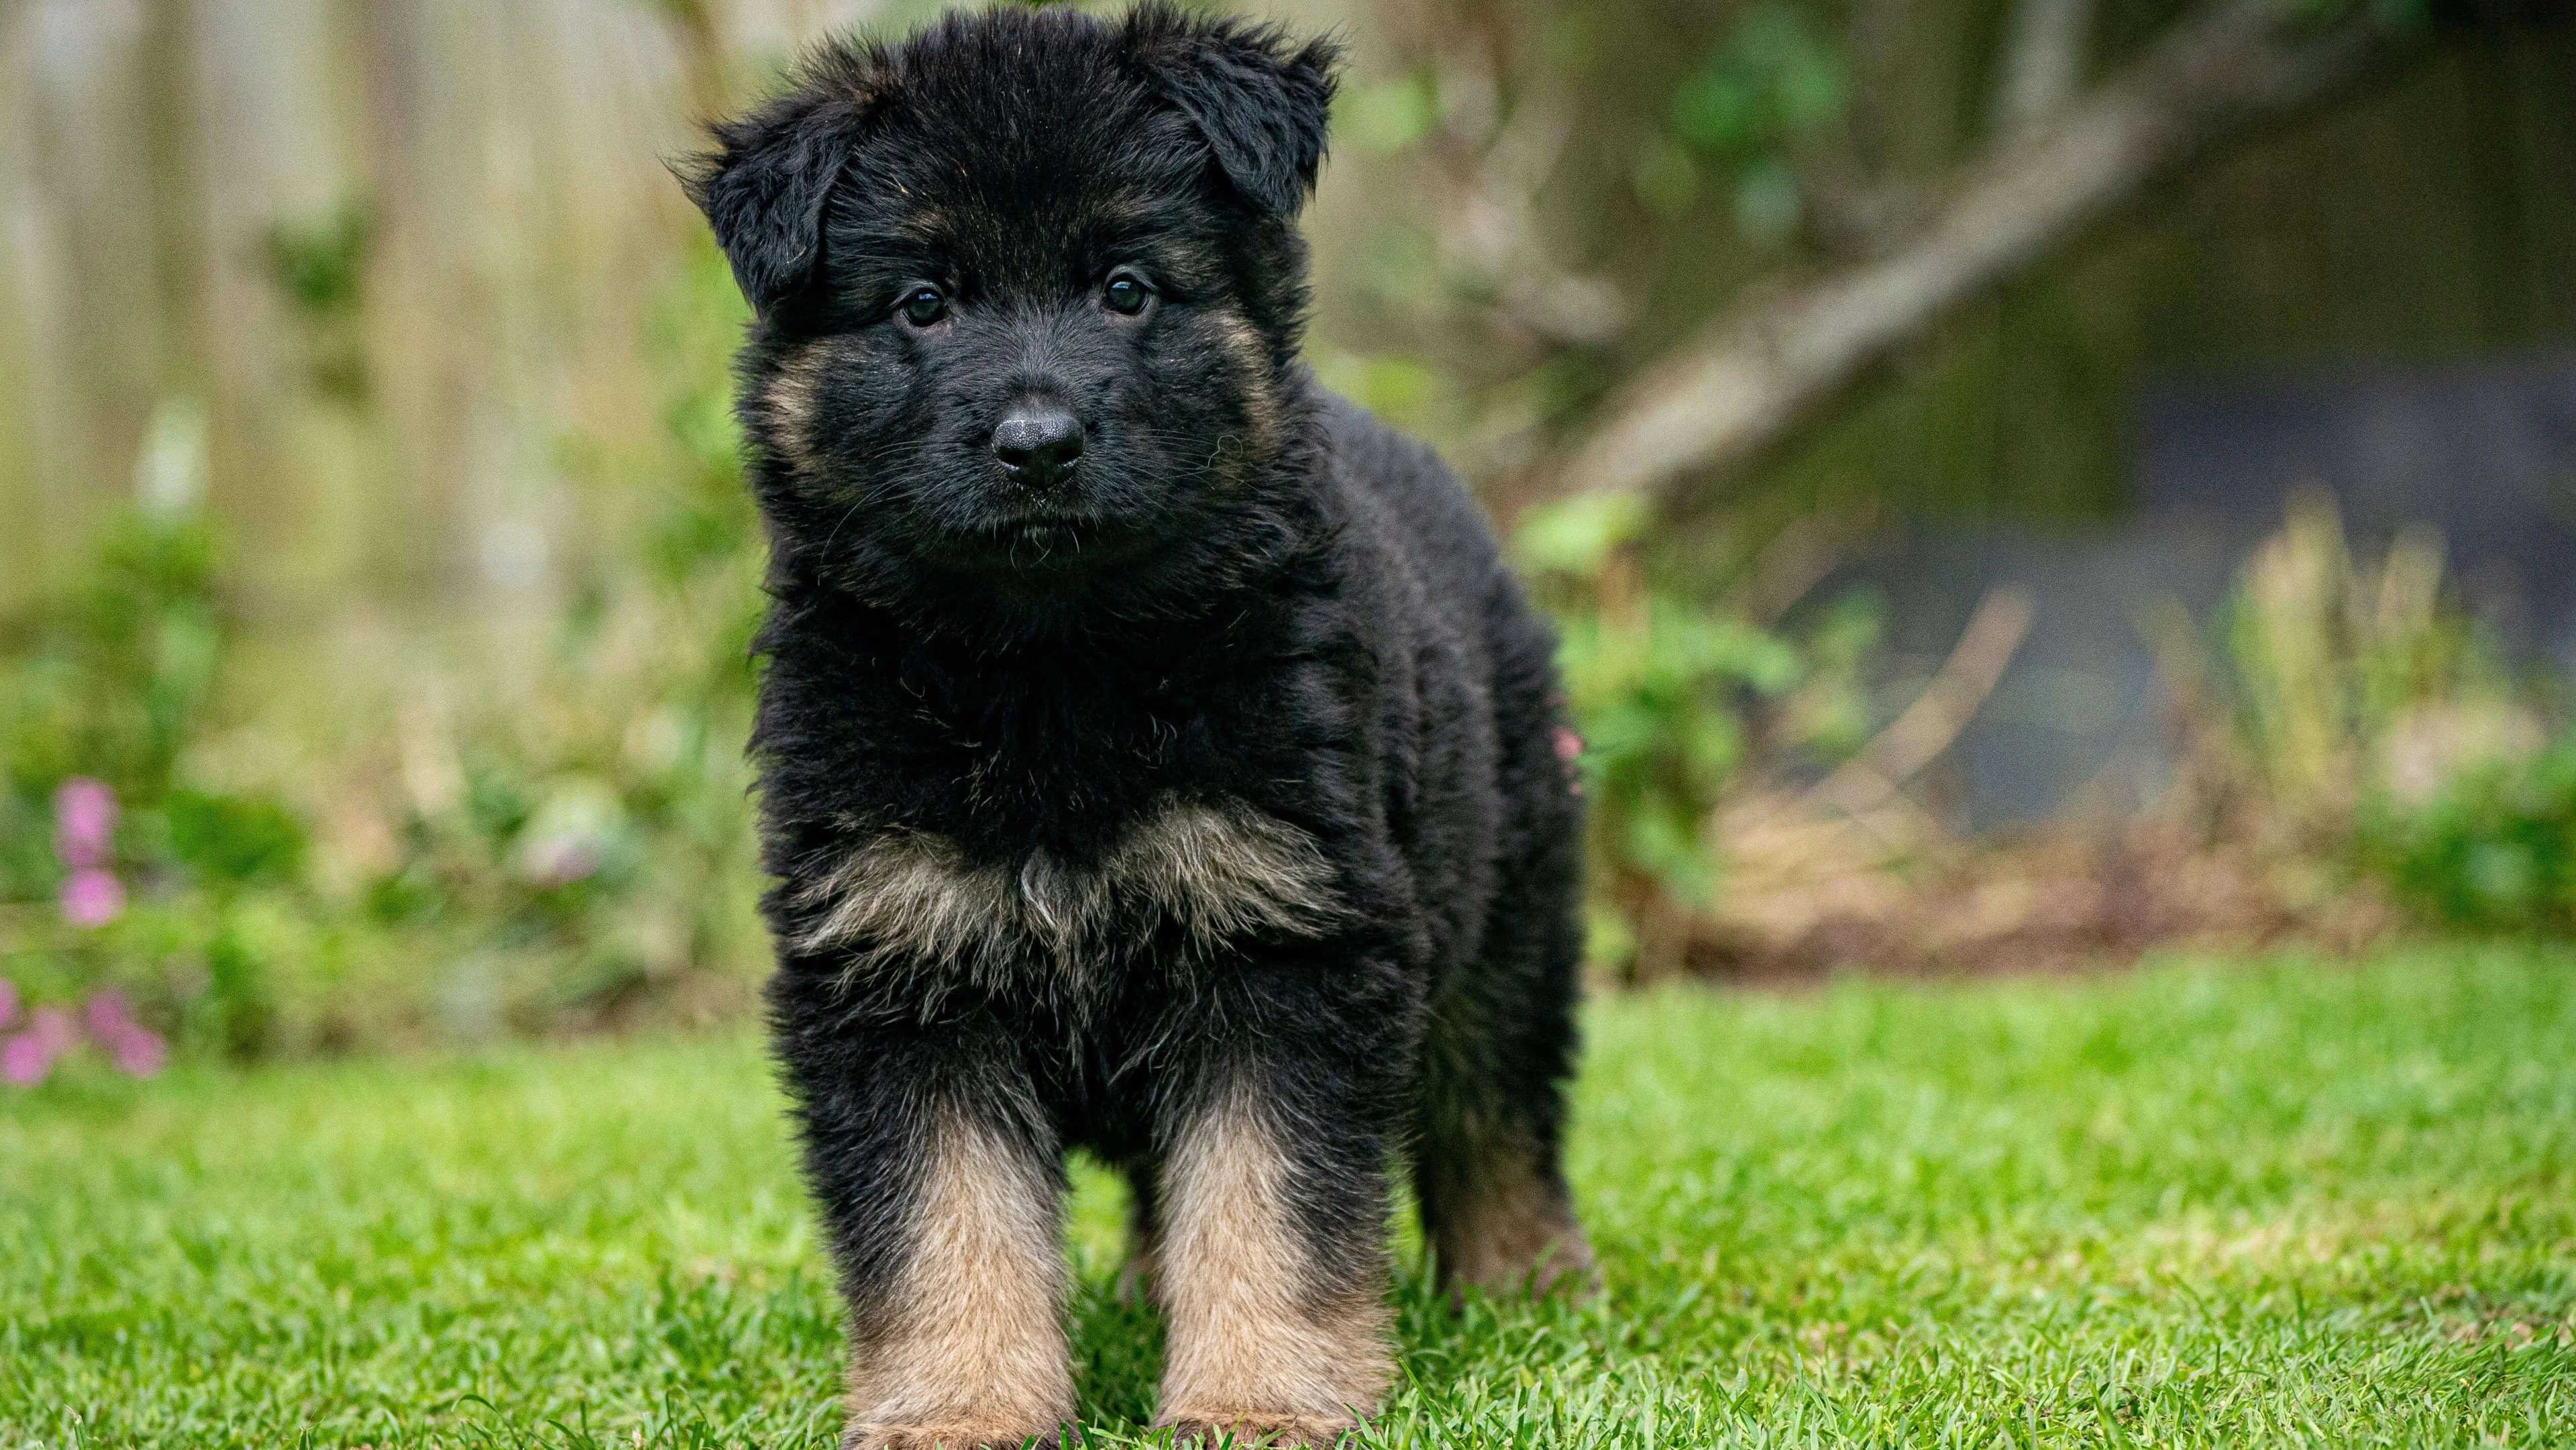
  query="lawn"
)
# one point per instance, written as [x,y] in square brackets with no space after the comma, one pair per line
[2279,1202]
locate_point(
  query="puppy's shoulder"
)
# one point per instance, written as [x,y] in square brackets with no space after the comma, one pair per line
[1408,503]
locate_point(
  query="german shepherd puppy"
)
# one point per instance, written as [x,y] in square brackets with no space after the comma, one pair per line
[1156,756]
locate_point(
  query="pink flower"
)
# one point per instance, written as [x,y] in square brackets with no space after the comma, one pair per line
[135,1048]
[85,839]
[8,1001]
[55,1028]
[108,1012]
[24,1059]
[84,822]
[28,1057]
[138,1051]
[92,897]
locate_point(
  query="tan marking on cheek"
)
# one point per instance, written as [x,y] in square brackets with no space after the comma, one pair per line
[1257,1344]
[1251,358]
[972,1349]
[787,405]
[1505,1228]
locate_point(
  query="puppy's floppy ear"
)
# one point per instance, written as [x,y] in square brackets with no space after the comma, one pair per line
[765,186]
[1262,101]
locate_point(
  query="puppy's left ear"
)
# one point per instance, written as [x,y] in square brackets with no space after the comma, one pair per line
[1263,102]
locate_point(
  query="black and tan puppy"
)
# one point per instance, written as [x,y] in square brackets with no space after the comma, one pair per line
[1156,756]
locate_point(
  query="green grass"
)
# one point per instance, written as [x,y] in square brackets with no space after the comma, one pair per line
[2279,1203]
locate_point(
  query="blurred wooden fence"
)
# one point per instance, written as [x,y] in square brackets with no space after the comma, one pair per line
[184,187]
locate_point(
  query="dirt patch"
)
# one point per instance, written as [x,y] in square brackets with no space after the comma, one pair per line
[1811,891]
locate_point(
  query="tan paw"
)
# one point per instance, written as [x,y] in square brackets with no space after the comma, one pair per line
[957,1435]
[1248,1428]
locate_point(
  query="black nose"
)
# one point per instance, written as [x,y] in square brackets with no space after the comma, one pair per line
[1039,443]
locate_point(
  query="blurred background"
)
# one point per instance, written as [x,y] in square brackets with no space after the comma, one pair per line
[2025,483]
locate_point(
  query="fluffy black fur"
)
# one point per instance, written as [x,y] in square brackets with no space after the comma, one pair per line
[1246,596]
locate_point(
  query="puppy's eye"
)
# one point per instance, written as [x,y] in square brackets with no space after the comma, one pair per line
[1126,294]
[923,306]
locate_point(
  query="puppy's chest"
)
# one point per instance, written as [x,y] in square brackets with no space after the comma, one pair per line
[1181,880]
[1038,752]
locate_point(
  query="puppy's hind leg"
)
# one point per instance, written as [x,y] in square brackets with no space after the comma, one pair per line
[1144,1236]
[1488,1136]
[1487,1166]
[1496,1209]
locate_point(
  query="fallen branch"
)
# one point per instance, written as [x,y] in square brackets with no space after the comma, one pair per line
[2044,60]
[1745,381]
[1917,737]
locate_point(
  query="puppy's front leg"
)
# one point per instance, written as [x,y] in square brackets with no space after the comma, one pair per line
[965,1345]
[1271,1272]
[943,1204]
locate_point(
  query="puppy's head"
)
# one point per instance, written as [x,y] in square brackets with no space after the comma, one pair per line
[1029,292]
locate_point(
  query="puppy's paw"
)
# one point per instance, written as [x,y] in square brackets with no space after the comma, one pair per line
[958,1435]
[1212,1429]
[1562,1266]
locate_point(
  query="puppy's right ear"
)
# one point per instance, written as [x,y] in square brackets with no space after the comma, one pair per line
[765,186]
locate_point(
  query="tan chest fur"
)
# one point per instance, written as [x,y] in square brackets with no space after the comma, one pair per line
[910,901]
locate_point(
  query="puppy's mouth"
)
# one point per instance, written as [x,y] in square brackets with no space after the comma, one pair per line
[1045,539]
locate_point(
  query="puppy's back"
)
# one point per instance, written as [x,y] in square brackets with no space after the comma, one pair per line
[1421,511]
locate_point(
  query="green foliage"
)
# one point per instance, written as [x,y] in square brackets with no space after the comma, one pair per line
[2198,1206]
[543,858]
[2494,848]
[1770,81]
[591,846]
[233,840]
[1658,689]
[1773,84]
[115,685]
[1579,535]
[318,264]
[118,669]
[2375,722]
[1664,693]
[1389,116]
[2331,659]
